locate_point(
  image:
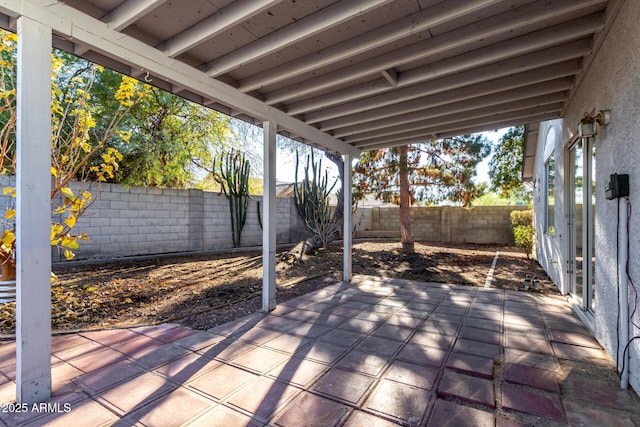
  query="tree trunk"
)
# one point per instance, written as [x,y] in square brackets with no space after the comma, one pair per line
[406,234]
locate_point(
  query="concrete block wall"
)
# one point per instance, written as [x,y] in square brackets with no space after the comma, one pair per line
[217,222]
[143,221]
[482,224]
[386,220]
[426,223]
[448,224]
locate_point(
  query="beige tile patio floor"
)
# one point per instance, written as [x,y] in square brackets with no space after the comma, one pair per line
[377,352]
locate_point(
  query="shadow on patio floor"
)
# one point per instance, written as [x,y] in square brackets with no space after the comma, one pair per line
[377,352]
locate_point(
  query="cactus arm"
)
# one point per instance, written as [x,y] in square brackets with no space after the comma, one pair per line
[233,176]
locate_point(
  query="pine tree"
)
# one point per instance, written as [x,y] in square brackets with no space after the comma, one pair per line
[430,172]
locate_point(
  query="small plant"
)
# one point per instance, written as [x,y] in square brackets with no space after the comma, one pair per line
[524,217]
[233,176]
[523,230]
[312,200]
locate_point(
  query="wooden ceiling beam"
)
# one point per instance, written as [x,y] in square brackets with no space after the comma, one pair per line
[543,81]
[418,22]
[539,40]
[129,12]
[322,20]
[538,11]
[463,128]
[568,54]
[456,121]
[69,22]
[428,109]
[428,121]
[223,20]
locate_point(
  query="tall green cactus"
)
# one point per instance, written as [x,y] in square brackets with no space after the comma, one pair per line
[233,177]
[312,200]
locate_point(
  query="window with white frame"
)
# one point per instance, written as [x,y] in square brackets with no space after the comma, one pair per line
[550,186]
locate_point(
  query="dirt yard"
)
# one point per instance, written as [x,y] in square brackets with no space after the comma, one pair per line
[206,290]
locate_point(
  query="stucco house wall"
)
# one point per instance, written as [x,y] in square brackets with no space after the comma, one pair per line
[549,248]
[611,83]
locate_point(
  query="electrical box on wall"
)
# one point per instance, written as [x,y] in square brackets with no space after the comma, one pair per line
[618,186]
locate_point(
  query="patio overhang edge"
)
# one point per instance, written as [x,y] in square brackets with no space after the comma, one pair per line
[75,26]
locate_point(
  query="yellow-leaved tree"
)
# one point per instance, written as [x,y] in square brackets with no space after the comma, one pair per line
[74,140]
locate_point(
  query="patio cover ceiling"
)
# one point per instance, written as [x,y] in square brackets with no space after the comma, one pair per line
[345,76]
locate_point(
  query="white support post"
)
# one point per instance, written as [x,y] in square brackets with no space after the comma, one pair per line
[348,219]
[33,250]
[269,218]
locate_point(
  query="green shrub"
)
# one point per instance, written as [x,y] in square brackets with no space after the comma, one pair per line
[522,217]
[523,230]
[523,235]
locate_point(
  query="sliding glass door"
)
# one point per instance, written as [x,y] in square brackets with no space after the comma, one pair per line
[580,221]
